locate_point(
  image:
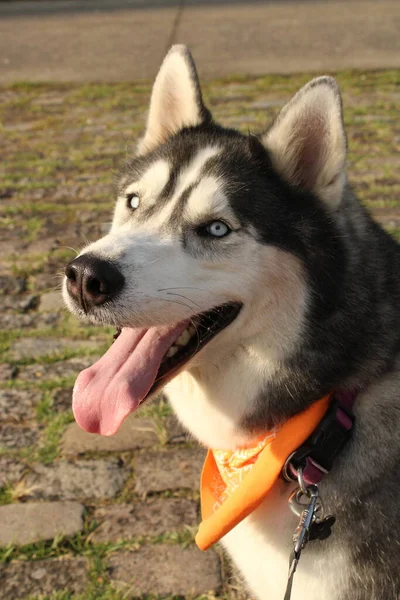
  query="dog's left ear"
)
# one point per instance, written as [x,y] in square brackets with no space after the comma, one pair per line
[307,142]
[176,100]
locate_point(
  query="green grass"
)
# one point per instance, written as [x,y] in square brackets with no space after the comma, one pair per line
[156,409]
[81,545]
[49,448]
[6,494]
[51,358]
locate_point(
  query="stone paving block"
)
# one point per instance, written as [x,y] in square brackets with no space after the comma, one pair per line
[35,347]
[7,372]
[11,285]
[16,405]
[17,321]
[10,470]
[62,399]
[169,470]
[8,248]
[8,302]
[152,518]
[15,438]
[166,569]
[62,369]
[70,481]
[176,432]
[20,579]
[51,302]
[134,433]
[43,245]
[35,521]
[28,302]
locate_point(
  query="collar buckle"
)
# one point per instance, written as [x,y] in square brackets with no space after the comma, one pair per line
[316,456]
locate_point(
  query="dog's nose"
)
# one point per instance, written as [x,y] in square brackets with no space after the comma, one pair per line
[92,281]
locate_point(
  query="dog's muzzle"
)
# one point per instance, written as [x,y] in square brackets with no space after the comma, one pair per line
[92,281]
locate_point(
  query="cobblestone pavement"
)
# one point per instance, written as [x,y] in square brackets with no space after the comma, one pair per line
[84,517]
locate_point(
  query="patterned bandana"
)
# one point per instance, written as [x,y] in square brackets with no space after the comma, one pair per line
[234,483]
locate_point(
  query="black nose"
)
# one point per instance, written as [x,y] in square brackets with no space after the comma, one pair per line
[92,281]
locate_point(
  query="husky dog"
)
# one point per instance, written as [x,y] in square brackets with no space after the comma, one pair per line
[245,277]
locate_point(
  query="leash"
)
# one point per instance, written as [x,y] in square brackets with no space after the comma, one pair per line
[308,465]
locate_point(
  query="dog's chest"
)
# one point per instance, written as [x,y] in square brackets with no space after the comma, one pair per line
[210,403]
[208,411]
[260,547]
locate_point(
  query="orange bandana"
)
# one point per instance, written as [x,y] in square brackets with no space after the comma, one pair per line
[233,484]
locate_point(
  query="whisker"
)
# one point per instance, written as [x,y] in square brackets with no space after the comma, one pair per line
[85,239]
[70,248]
[181,288]
[185,298]
[150,263]
[177,302]
[197,325]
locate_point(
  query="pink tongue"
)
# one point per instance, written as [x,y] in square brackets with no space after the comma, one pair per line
[108,391]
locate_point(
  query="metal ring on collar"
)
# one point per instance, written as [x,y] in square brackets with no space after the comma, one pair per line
[287,476]
[302,484]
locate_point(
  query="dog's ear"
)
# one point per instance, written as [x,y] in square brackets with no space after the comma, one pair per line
[307,142]
[176,100]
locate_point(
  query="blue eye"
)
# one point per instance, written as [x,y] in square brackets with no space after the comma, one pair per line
[217,229]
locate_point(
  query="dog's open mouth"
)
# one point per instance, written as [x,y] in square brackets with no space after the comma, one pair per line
[140,362]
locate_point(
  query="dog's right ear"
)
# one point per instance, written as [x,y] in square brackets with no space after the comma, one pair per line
[176,100]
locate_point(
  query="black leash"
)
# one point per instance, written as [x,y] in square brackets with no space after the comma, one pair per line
[293,562]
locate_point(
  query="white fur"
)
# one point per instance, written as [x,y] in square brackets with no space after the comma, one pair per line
[151,183]
[208,199]
[260,546]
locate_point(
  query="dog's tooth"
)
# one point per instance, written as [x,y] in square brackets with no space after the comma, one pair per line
[183,338]
[172,351]
[192,330]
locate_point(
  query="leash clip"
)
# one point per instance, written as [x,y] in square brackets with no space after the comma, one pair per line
[312,525]
[302,532]
[307,513]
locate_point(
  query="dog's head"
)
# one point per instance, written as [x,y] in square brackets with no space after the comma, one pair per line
[215,239]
